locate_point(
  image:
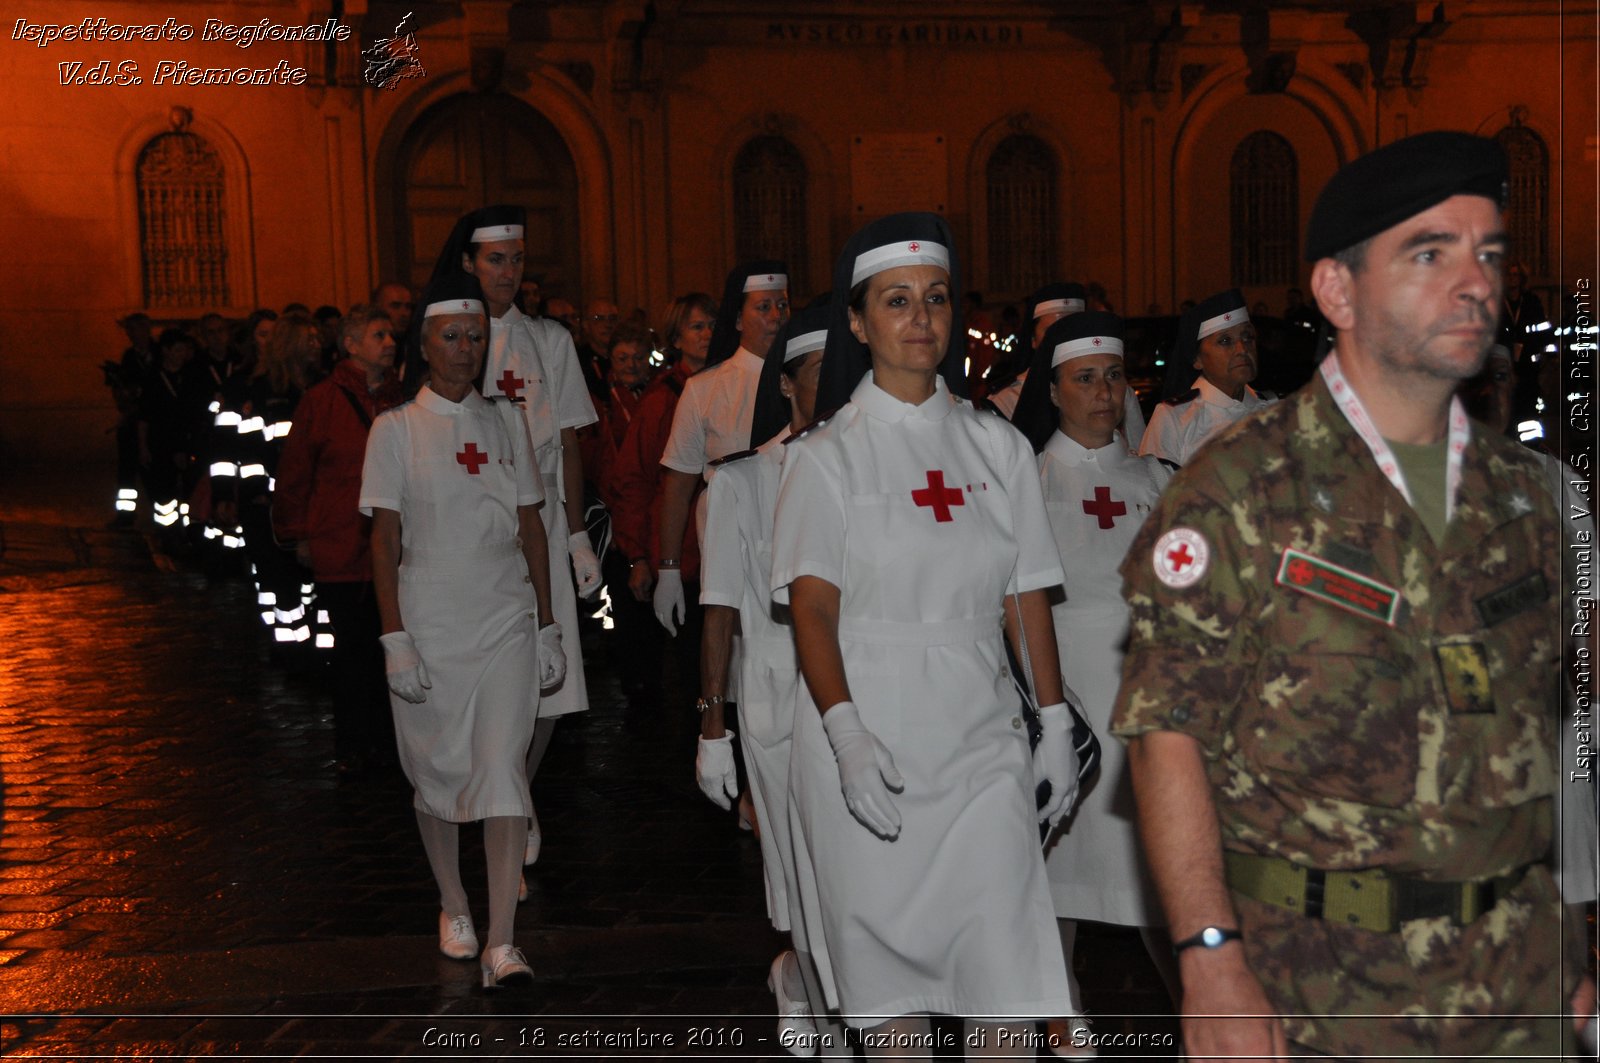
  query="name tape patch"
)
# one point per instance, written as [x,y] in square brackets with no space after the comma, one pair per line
[1322,579]
[1508,601]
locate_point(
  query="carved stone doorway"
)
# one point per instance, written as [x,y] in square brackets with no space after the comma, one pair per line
[471,150]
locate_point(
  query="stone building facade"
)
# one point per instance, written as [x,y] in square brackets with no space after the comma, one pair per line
[1163,149]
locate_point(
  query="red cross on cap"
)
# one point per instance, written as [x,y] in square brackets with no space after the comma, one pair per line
[1097,341]
[1228,316]
[770,277]
[466,305]
[913,246]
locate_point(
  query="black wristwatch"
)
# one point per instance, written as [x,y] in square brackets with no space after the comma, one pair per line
[1211,937]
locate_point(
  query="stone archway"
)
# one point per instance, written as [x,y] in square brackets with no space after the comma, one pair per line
[470,150]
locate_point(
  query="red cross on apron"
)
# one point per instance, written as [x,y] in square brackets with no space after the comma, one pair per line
[1104,508]
[472,457]
[510,385]
[938,496]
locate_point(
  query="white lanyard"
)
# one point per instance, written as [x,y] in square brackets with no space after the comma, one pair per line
[1349,404]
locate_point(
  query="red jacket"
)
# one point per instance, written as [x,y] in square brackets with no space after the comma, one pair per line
[636,476]
[600,442]
[319,474]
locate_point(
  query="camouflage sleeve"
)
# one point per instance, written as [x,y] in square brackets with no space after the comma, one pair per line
[1188,579]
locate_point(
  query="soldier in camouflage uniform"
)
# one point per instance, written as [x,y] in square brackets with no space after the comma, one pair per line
[1344,655]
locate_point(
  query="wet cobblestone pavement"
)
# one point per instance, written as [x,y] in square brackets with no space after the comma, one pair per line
[184,873]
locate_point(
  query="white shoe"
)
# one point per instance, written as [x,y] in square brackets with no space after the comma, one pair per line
[505,965]
[797,1033]
[1069,1038]
[530,851]
[457,939]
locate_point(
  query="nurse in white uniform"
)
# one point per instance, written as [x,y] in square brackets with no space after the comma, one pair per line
[1044,308]
[736,590]
[712,419]
[1097,495]
[910,532]
[462,581]
[532,365]
[1217,340]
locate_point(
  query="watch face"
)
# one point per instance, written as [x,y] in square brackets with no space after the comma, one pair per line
[1211,937]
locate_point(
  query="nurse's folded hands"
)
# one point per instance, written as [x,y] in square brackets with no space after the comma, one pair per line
[866,770]
[408,676]
[552,658]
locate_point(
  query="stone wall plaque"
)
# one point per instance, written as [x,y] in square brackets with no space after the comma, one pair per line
[892,172]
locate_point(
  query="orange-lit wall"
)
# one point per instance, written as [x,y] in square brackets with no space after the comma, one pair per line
[1143,193]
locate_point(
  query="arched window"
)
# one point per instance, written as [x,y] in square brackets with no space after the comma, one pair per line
[1264,210]
[1528,212]
[1021,178]
[182,238]
[769,207]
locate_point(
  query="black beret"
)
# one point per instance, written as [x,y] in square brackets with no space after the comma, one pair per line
[1385,187]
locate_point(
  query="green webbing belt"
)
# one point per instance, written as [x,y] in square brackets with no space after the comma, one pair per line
[1372,899]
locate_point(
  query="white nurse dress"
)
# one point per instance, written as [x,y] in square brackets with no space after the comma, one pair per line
[532,364]
[736,571]
[1097,499]
[456,473]
[925,517]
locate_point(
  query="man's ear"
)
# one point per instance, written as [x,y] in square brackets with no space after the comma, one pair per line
[1333,287]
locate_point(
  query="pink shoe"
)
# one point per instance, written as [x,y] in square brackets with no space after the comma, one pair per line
[457,939]
[505,965]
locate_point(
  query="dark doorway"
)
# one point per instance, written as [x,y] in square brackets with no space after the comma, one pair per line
[471,150]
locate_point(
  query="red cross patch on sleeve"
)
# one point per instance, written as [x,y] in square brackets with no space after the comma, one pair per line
[1181,557]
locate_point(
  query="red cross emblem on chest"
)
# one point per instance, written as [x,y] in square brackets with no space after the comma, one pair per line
[1104,508]
[510,385]
[939,497]
[472,457]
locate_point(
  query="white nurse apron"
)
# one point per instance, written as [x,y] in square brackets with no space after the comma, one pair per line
[1097,499]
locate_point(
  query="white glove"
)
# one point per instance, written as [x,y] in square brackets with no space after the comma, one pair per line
[713,770]
[866,770]
[408,676]
[552,658]
[670,609]
[1056,762]
[585,565]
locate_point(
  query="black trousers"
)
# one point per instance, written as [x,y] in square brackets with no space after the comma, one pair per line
[636,638]
[362,721]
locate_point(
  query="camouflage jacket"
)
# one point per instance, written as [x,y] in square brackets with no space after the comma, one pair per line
[1364,697]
